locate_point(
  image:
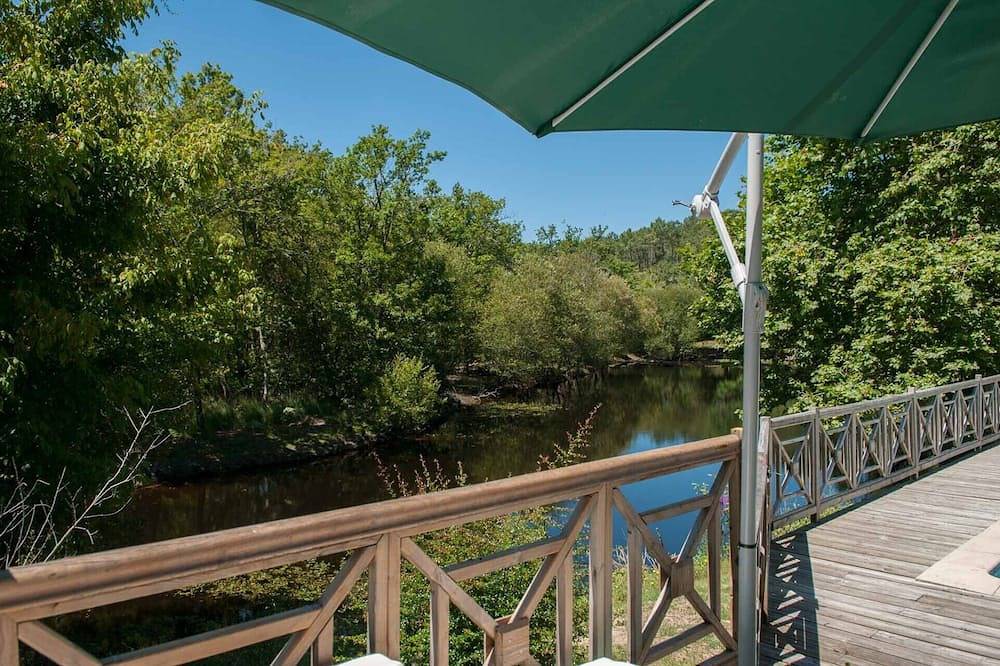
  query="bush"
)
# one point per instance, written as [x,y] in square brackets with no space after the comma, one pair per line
[671,327]
[406,397]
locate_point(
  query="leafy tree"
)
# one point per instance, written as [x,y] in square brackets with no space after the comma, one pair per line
[671,327]
[82,160]
[192,301]
[166,244]
[406,396]
[555,313]
[475,222]
[876,257]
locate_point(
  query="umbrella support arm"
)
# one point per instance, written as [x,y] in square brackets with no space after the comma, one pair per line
[706,206]
[746,276]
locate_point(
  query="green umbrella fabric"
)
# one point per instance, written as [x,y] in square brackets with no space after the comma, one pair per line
[806,67]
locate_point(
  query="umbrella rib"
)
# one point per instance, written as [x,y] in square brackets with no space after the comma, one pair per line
[928,38]
[649,48]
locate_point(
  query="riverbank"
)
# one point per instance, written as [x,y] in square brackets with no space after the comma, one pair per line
[474,398]
[227,453]
[231,453]
[642,407]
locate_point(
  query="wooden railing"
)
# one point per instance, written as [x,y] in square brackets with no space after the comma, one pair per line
[827,457]
[379,536]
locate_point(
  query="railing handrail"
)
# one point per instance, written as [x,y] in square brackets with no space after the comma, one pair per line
[876,403]
[92,580]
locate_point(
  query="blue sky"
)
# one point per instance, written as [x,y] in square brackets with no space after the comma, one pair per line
[325,87]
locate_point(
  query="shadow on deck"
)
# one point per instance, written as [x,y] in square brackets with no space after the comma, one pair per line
[846,590]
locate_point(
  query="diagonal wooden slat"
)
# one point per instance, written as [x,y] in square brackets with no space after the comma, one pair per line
[701,522]
[55,646]
[298,644]
[681,640]
[652,542]
[709,616]
[655,619]
[459,597]
[550,565]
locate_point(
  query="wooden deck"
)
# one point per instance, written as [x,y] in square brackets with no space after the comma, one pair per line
[845,591]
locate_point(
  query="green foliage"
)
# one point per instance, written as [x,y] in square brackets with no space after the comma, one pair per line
[406,397]
[555,313]
[878,258]
[163,245]
[82,155]
[166,245]
[670,325]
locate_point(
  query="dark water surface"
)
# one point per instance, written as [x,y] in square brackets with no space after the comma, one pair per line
[642,408]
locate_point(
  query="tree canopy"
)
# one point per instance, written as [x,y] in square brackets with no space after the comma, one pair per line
[881,263]
[166,244]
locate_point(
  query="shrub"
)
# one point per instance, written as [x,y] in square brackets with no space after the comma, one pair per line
[406,396]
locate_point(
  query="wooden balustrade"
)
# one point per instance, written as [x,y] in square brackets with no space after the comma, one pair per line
[825,457]
[379,537]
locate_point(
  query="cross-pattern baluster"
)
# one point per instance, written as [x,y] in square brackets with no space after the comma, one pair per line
[676,573]
[867,445]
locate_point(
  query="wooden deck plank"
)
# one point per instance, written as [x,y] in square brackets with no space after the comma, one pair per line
[844,591]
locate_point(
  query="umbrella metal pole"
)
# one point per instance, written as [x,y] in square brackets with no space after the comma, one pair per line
[754,306]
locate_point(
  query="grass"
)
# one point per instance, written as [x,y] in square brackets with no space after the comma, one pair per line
[510,409]
[681,615]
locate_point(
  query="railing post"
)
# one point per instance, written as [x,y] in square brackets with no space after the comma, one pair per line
[958,423]
[994,408]
[600,575]
[978,410]
[440,621]
[913,430]
[8,642]
[383,598]
[321,651]
[634,595]
[564,613]
[818,466]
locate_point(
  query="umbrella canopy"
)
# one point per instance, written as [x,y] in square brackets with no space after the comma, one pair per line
[834,68]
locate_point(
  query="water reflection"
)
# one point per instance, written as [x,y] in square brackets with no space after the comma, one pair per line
[643,408]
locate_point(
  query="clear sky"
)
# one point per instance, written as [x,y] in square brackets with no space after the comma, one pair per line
[325,87]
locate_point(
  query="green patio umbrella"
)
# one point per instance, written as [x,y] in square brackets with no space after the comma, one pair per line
[852,69]
[808,67]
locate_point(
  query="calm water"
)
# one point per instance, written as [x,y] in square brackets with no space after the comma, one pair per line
[641,408]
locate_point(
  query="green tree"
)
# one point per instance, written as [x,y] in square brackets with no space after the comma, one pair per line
[876,257]
[556,313]
[83,162]
[671,327]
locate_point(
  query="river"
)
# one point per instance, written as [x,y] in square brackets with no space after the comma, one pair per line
[641,407]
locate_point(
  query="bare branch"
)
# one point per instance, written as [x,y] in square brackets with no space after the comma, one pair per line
[40,520]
